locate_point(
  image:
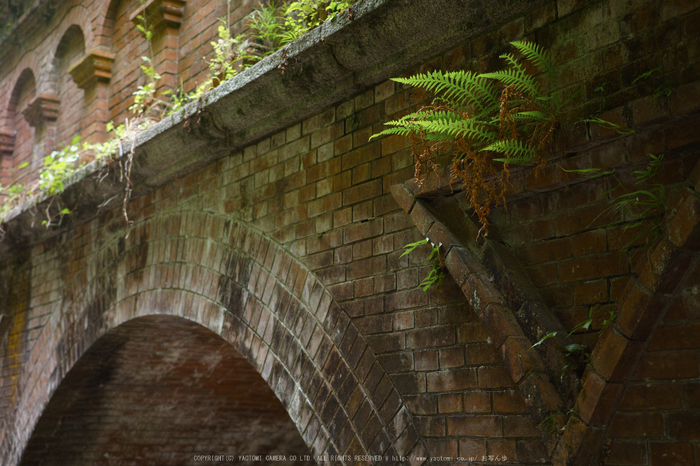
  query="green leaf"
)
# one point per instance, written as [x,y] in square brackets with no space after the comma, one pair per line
[588,171]
[574,347]
[530,115]
[411,246]
[645,75]
[546,337]
[458,87]
[518,152]
[23,165]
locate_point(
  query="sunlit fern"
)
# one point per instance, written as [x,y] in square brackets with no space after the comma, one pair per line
[485,121]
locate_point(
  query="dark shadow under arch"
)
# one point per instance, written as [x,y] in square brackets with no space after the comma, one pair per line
[160,390]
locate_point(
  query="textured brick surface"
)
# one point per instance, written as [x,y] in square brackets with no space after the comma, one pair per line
[291,248]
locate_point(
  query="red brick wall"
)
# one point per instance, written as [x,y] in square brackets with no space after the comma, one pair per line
[319,192]
[658,417]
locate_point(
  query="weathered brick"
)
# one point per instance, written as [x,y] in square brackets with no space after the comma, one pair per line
[642,396]
[430,337]
[621,452]
[600,400]
[614,355]
[452,380]
[648,425]
[668,365]
[475,426]
[680,453]
[588,268]
[518,358]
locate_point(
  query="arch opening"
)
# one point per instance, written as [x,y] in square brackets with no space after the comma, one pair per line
[70,49]
[22,96]
[160,390]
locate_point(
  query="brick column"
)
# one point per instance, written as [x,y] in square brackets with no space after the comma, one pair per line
[164,17]
[7,145]
[42,113]
[93,73]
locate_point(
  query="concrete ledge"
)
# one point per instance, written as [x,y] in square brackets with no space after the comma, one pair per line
[375,40]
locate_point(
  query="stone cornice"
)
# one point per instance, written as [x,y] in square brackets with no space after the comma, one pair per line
[95,66]
[43,108]
[160,13]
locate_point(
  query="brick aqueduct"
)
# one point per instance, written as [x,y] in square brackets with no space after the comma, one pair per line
[259,303]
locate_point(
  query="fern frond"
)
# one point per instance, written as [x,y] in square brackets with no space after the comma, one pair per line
[441,115]
[517,152]
[435,137]
[536,54]
[467,129]
[515,77]
[406,119]
[529,116]
[458,87]
[402,131]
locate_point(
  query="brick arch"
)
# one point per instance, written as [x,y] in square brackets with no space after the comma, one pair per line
[129,46]
[23,93]
[199,387]
[622,371]
[616,409]
[71,109]
[62,53]
[105,27]
[78,15]
[26,69]
[230,278]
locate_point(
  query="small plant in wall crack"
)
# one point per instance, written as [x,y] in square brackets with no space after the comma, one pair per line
[436,274]
[57,168]
[578,354]
[636,206]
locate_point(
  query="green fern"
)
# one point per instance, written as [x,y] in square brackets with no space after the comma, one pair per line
[516,152]
[459,88]
[537,55]
[515,77]
[529,116]
[476,116]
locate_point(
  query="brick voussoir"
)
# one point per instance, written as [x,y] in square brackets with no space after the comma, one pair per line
[597,399]
[403,197]
[545,407]
[684,228]
[519,358]
[422,217]
[578,443]
[526,368]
